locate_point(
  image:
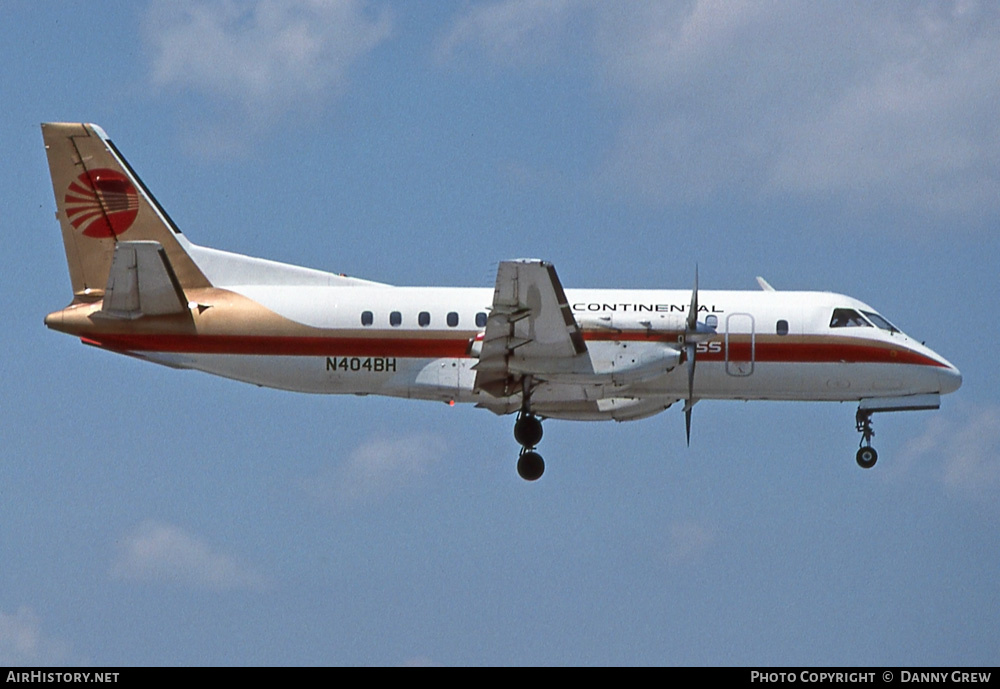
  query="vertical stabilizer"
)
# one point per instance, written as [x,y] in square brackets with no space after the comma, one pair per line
[101,201]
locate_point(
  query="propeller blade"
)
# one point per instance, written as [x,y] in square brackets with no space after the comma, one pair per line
[691,350]
[689,404]
[692,316]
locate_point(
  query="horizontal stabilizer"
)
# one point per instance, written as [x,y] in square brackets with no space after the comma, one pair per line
[142,283]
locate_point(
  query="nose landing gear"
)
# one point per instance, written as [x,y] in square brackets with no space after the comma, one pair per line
[867,456]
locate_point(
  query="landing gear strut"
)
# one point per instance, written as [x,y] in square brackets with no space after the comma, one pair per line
[528,433]
[867,456]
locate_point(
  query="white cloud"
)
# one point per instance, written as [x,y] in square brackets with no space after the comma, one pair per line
[509,33]
[965,454]
[160,552]
[266,55]
[867,104]
[377,469]
[873,103]
[914,124]
[22,642]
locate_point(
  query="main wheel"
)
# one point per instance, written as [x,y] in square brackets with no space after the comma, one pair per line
[527,430]
[867,456]
[530,466]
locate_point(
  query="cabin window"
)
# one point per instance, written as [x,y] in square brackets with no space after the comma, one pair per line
[423,319]
[712,321]
[848,318]
[452,319]
[481,319]
[782,327]
[367,318]
[395,318]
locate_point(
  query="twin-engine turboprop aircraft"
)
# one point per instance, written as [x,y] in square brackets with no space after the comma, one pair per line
[527,346]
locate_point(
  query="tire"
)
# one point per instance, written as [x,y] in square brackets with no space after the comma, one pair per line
[528,431]
[530,466]
[866,457]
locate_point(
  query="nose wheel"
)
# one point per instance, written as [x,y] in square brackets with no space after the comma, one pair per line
[867,456]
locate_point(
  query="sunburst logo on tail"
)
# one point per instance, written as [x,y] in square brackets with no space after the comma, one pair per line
[102,203]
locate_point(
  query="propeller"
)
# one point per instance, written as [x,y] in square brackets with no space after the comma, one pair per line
[691,349]
[694,333]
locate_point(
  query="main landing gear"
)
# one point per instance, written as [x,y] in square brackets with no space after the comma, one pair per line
[528,433]
[867,456]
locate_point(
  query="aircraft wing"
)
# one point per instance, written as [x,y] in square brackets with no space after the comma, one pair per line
[530,326]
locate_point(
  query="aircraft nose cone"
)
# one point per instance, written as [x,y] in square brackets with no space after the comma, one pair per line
[951,379]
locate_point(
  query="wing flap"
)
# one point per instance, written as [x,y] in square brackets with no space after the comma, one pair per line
[530,321]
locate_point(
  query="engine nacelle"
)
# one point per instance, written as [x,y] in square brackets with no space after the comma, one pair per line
[627,363]
[609,409]
[615,362]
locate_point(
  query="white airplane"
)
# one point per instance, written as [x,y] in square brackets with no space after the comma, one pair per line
[527,346]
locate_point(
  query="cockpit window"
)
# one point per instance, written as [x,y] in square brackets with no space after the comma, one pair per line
[880,322]
[848,318]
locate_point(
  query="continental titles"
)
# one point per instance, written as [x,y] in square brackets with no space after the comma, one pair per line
[600,307]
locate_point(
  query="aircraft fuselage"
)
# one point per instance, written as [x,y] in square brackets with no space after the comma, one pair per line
[419,342]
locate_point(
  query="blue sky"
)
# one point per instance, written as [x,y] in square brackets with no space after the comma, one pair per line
[152,516]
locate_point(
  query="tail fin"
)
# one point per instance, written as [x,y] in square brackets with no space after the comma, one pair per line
[100,202]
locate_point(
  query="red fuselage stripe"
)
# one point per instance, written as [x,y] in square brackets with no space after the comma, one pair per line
[278,345]
[432,348]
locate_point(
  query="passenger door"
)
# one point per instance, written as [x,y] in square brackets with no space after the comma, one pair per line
[740,344]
